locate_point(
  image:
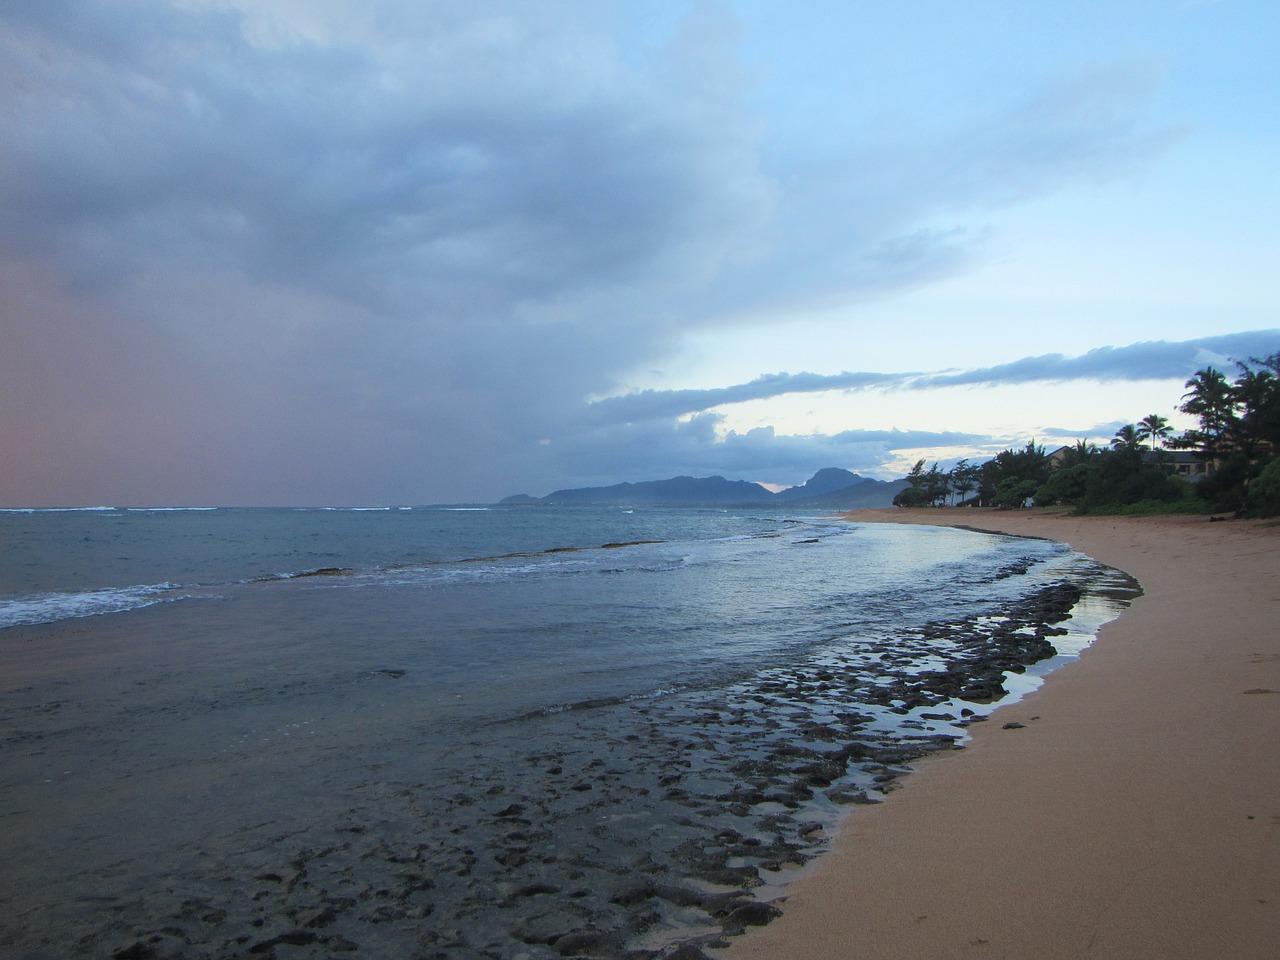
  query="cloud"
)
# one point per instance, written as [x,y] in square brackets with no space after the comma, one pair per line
[660,448]
[1153,360]
[423,250]
[287,252]
[650,404]
[1096,432]
[889,213]
[498,166]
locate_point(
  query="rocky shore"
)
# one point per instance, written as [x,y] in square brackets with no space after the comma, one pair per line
[653,828]
[1125,811]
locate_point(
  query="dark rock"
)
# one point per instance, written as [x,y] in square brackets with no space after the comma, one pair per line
[546,929]
[166,944]
[295,938]
[536,889]
[686,951]
[199,910]
[824,773]
[742,877]
[633,895]
[138,950]
[638,921]
[681,896]
[577,942]
[983,691]
[848,794]
[753,914]
[317,918]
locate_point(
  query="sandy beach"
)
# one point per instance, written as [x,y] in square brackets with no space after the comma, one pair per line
[1129,808]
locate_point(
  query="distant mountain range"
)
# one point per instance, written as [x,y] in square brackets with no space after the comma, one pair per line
[831,489]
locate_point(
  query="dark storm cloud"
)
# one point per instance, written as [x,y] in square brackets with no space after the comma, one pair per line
[425,247]
[389,257]
[148,133]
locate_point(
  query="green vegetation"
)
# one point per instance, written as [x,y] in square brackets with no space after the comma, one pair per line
[1238,436]
[1264,492]
[1007,480]
[1236,449]
[1148,508]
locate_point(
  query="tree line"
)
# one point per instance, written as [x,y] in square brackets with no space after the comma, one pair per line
[1237,441]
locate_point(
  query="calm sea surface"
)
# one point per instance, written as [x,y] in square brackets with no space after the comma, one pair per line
[462,733]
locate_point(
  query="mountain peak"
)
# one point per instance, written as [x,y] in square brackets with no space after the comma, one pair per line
[831,488]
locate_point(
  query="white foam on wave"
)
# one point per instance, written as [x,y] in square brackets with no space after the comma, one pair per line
[468,571]
[58,510]
[169,509]
[52,607]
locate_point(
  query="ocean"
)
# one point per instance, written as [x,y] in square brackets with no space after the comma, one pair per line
[524,732]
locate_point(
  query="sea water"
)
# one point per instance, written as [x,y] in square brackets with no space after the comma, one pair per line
[464,732]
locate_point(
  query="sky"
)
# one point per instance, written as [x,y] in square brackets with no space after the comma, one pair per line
[311,252]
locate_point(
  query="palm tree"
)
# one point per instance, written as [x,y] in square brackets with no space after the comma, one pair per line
[1080,453]
[1155,428]
[1127,438]
[1258,394]
[1211,398]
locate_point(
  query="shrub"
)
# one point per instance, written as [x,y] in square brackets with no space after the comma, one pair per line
[1264,491]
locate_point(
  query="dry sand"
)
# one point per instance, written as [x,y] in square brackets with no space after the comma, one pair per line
[1135,814]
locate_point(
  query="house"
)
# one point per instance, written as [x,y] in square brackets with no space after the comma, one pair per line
[1188,464]
[1185,463]
[1059,457]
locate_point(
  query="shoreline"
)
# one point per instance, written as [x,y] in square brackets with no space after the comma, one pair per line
[520,845]
[1128,808]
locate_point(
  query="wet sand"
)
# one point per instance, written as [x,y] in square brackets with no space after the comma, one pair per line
[1130,808]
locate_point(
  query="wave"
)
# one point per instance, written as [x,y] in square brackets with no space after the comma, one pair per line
[107,509]
[595,703]
[338,568]
[302,574]
[169,509]
[551,561]
[347,509]
[57,509]
[51,607]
